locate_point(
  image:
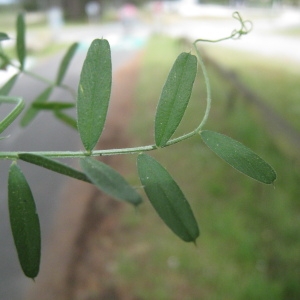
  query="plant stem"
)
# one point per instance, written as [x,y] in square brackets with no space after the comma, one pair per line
[208,89]
[43,79]
[79,154]
[50,83]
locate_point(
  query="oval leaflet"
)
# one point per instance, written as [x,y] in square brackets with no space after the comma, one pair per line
[239,156]
[167,198]
[94,93]
[174,98]
[109,181]
[24,222]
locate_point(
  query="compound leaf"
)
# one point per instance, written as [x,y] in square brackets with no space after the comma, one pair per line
[53,165]
[21,44]
[109,181]
[175,97]
[66,62]
[94,93]
[167,198]
[239,156]
[24,222]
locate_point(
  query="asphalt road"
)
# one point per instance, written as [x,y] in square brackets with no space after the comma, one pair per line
[46,133]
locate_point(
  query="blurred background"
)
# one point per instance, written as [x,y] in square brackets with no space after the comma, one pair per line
[250,241]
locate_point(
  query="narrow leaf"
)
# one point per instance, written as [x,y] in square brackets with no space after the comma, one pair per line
[14,113]
[31,112]
[167,198]
[3,36]
[21,45]
[6,88]
[65,63]
[94,93]
[239,156]
[53,165]
[68,120]
[24,222]
[53,105]
[109,181]
[175,97]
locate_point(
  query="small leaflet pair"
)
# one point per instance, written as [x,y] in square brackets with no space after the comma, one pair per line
[161,189]
[93,100]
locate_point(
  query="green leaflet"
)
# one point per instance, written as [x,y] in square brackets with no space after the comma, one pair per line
[94,93]
[68,120]
[53,105]
[175,97]
[21,45]
[24,222]
[3,36]
[53,165]
[14,113]
[239,156]
[167,198]
[6,88]
[109,181]
[66,62]
[31,112]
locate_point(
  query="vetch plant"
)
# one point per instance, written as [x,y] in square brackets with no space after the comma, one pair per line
[92,102]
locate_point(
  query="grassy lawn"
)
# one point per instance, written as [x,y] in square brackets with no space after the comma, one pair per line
[276,81]
[249,243]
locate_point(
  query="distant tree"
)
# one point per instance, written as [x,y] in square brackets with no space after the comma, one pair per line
[74,9]
[30,5]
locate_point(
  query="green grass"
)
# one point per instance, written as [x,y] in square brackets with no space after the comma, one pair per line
[249,243]
[274,80]
[293,31]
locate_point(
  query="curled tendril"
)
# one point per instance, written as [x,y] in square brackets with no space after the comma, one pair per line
[246,26]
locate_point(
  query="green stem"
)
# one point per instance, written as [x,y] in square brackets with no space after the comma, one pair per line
[50,83]
[43,79]
[106,152]
[69,89]
[208,89]
[38,77]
